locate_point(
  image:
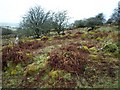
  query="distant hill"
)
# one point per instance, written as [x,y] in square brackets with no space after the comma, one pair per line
[9,24]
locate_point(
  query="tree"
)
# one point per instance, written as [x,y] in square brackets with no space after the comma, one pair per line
[35,20]
[47,26]
[6,31]
[80,23]
[91,22]
[116,15]
[59,21]
[95,21]
[100,19]
[109,21]
[24,32]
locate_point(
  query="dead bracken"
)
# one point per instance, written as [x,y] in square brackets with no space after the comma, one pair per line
[69,58]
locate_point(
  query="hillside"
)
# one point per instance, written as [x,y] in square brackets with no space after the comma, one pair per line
[78,59]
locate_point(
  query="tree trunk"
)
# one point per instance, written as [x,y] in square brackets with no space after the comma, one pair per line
[58,32]
[37,32]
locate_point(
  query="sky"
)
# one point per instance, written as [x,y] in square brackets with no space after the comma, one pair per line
[12,11]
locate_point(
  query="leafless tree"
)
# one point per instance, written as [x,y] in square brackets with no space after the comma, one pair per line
[59,21]
[35,19]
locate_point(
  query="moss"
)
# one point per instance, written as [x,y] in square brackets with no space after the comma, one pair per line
[54,74]
[13,72]
[93,49]
[41,58]
[67,76]
[92,33]
[99,39]
[85,48]
[94,57]
[50,39]
[42,65]
[31,69]
[29,55]
[83,36]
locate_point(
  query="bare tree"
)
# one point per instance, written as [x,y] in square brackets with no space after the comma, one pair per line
[59,21]
[35,20]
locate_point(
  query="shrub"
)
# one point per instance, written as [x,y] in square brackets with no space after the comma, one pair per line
[6,31]
[110,48]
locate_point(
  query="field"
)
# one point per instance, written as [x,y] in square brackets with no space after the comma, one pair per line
[78,59]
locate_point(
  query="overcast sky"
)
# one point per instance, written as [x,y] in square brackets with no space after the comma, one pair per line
[12,11]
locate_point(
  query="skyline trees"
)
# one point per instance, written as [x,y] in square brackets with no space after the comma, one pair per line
[39,22]
[115,17]
[91,22]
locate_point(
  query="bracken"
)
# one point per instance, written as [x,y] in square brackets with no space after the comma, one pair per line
[70,58]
